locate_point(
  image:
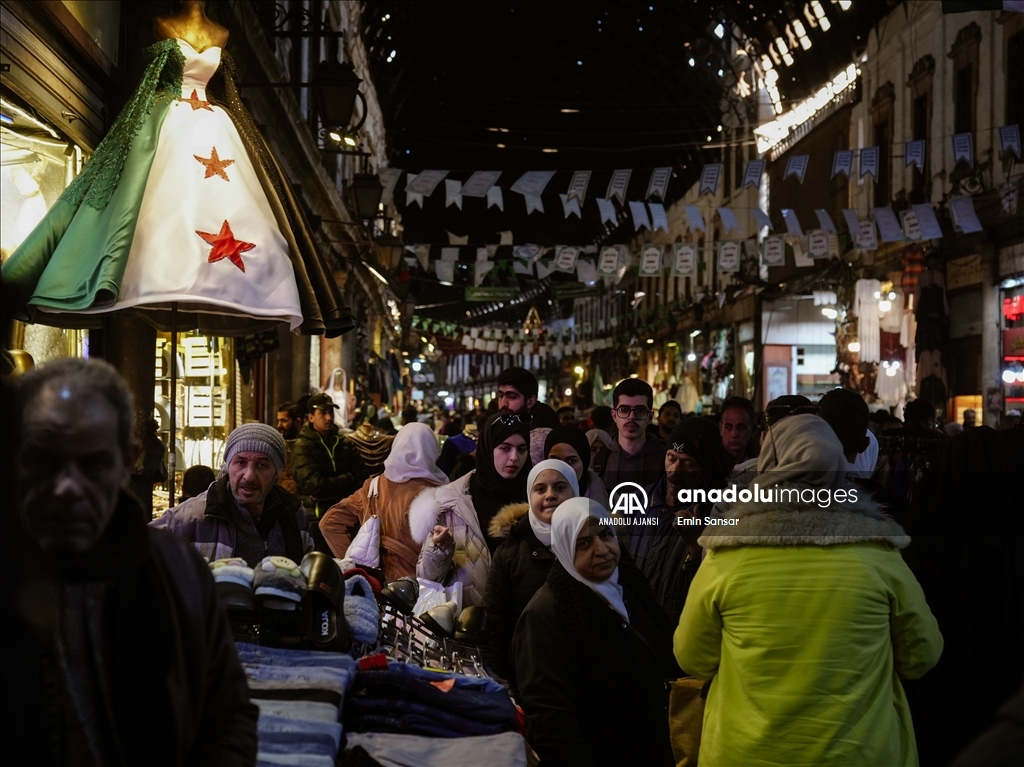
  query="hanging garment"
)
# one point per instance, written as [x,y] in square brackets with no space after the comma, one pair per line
[182,204]
[891,389]
[930,364]
[890,321]
[913,267]
[908,328]
[687,395]
[865,306]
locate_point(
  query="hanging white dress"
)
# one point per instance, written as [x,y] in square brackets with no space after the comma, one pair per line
[865,306]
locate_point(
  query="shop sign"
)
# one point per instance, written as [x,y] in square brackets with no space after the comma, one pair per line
[574,290]
[963,272]
[491,294]
[1013,343]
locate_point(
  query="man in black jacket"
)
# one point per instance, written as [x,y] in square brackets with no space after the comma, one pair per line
[327,469]
[118,651]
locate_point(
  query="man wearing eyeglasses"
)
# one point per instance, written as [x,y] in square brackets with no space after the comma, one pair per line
[634,456]
[517,393]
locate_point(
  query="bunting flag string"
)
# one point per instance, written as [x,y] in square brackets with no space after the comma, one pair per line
[869,162]
[578,187]
[752,174]
[639,213]
[453,193]
[617,186]
[480,183]
[658,185]
[797,166]
[913,154]
[659,218]
[710,179]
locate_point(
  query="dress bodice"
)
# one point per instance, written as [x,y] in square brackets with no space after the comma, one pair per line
[199,67]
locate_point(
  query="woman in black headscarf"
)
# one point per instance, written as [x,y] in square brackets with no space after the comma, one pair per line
[455,546]
[569,444]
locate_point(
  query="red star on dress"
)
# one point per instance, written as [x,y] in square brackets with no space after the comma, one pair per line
[196,102]
[226,246]
[214,165]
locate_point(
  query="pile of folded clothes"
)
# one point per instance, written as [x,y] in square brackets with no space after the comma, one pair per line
[300,694]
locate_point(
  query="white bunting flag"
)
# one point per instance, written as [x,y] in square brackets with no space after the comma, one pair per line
[411,198]
[833,244]
[825,220]
[495,198]
[852,221]
[452,193]
[454,239]
[445,271]
[928,221]
[842,162]
[650,260]
[729,222]
[533,182]
[728,257]
[774,251]
[505,238]
[533,202]
[608,261]
[888,225]
[1009,139]
[762,220]
[578,186]
[640,219]
[449,254]
[425,182]
[480,271]
[659,219]
[911,226]
[869,158]
[792,222]
[964,215]
[565,258]
[913,154]
[480,183]
[528,252]
[586,271]
[963,148]
[570,206]
[694,218]
[607,208]
[486,253]
[867,239]
[422,255]
[658,185]
[389,179]
[817,243]
[797,166]
[684,259]
[800,258]
[710,179]
[617,186]
[752,174]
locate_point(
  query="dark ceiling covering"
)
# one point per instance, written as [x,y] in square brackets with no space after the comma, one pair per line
[464,77]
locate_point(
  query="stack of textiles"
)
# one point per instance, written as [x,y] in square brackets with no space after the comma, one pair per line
[507,749]
[388,696]
[300,694]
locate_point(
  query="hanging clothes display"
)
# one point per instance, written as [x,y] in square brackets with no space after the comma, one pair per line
[182,205]
[890,321]
[930,337]
[865,306]
[913,267]
[891,384]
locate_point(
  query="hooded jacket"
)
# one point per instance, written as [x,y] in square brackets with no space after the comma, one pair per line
[326,469]
[519,568]
[807,619]
[469,559]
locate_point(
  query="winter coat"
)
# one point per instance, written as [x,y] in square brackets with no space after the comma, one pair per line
[469,559]
[806,618]
[326,469]
[581,667]
[643,468]
[519,568]
[392,507]
[596,491]
[170,684]
[206,522]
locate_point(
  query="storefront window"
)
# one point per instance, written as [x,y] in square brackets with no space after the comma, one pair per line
[204,398]
[36,166]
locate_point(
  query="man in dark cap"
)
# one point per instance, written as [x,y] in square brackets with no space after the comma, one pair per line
[667,552]
[244,513]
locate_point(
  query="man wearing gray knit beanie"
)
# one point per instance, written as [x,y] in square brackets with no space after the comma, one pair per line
[244,513]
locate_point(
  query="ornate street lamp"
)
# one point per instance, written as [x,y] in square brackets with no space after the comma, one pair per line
[335,89]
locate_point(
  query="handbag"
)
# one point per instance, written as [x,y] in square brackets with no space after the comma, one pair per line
[365,549]
[686,700]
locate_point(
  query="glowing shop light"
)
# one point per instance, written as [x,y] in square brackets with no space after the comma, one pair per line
[854,346]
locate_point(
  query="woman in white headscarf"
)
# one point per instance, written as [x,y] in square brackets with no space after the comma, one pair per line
[593,647]
[806,617]
[521,563]
[410,476]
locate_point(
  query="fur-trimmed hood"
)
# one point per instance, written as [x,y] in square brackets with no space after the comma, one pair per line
[423,513]
[501,524]
[789,524]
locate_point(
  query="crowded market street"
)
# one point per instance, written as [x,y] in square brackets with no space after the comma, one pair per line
[462,384]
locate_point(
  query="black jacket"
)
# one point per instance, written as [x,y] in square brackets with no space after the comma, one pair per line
[326,469]
[173,687]
[586,676]
[519,567]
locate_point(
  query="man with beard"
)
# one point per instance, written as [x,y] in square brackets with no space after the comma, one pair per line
[289,423]
[667,553]
[669,416]
[244,513]
[517,393]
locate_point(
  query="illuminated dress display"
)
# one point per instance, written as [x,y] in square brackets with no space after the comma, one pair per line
[184,205]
